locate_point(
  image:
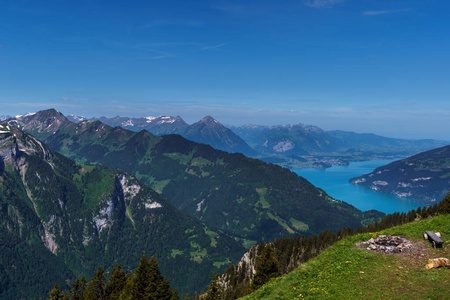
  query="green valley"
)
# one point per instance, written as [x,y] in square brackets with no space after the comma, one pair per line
[60,220]
[245,197]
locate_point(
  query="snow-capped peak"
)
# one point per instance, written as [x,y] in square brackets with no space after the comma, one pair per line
[150,119]
[25,115]
[76,118]
[127,123]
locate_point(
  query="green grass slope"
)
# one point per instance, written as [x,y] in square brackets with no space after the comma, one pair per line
[345,272]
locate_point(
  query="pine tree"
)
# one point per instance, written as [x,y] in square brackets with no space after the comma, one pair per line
[163,292]
[83,287]
[444,206]
[116,283]
[158,287]
[55,293]
[214,291]
[154,277]
[147,282]
[96,287]
[140,280]
[76,293]
[175,295]
[266,267]
[419,212]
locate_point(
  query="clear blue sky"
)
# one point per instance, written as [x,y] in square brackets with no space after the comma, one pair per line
[379,66]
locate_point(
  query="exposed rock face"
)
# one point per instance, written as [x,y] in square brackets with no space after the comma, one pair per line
[387,244]
[245,267]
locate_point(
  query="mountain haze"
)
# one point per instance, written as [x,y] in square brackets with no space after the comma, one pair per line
[300,140]
[206,131]
[245,197]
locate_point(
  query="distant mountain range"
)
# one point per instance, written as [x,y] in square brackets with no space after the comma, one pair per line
[293,141]
[207,131]
[247,198]
[287,145]
[424,177]
[60,219]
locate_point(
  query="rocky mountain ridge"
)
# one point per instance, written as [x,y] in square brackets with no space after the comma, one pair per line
[245,197]
[292,145]
[207,131]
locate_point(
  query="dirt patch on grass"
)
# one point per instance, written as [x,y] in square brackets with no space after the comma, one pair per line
[418,254]
[415,256]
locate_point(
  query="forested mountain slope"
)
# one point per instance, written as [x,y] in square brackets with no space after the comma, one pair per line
[424,177]
[246,197]
[60,219]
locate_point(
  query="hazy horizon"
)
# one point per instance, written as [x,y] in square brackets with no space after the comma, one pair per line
[190,122]
[375,66]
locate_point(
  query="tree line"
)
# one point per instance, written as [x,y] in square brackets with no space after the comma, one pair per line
[285,254]
[264,261]
[146,282]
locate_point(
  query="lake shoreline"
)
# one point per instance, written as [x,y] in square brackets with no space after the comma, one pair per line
[335,181]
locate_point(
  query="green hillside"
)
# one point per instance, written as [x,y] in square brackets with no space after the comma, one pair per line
[245,197]
[345,272]
[59,220]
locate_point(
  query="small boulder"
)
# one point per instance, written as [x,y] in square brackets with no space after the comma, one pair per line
[438,262]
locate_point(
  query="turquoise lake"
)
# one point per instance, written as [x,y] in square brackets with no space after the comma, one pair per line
[334,181]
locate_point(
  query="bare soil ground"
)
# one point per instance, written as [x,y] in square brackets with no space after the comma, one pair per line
[417,255]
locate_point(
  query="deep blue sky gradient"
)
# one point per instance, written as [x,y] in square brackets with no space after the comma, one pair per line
[379,66]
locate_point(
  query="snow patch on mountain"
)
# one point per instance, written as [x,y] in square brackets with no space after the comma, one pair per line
[166,120]
[128,122]
[76,119]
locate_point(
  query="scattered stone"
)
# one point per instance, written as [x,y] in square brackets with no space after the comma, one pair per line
[438,262]
[387,244]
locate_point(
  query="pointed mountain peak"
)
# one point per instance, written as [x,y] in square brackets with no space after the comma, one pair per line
[45,114]
[48,120]
[209,120]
